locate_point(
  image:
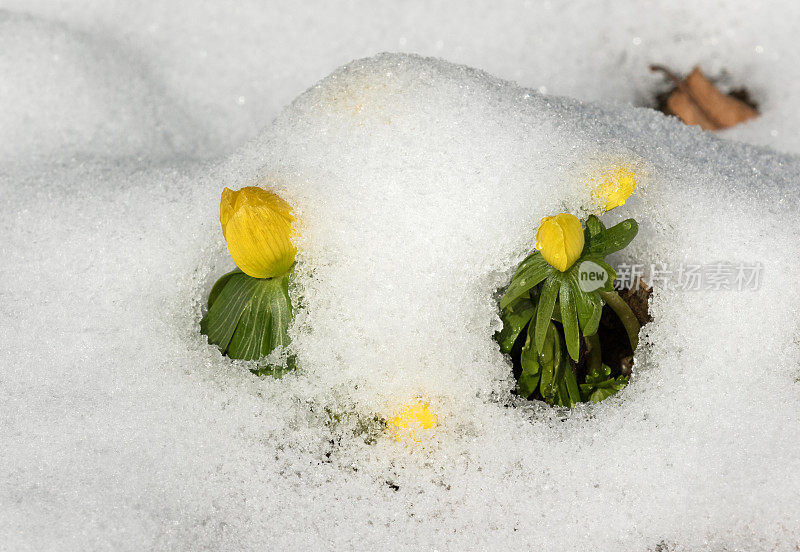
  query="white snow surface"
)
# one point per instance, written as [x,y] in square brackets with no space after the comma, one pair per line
[232,65]
[418,185]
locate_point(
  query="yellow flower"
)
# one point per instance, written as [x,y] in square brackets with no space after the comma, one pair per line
[560,239]
[410,420]
[615,188]
[257,225]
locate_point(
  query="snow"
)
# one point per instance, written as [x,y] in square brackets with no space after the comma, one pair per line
[78,94]
[232,65]
[419,184]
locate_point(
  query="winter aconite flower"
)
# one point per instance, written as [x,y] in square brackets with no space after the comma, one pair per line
[410,420]
[560,240]
[257,225]
[615,187]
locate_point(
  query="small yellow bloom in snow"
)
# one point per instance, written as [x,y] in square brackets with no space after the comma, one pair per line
[410,420]
[257,225]
[616,186]
[560,240]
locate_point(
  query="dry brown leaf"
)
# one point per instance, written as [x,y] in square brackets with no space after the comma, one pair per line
[696,101]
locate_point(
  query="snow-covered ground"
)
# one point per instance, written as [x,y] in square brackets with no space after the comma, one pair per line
[419,185]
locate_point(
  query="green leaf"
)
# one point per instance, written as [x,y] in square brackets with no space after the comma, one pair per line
[598,376]
[544,310]
[613,239]
[531,369]
[546,387]
[563,394]
[535,270]
[603,393]
[527,384]
[572,387]
[264,322]
[276,371]
[569,319]
[534,258]
[600,385]
[593,226]
[588,304]
[219,285]
[550,360]
[229,303]
[515,317]
[558,379]
[249,317]
[592,324]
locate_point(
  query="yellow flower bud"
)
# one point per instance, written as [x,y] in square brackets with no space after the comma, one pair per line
[616,186]
[410,420]
[257,225]
[560,240]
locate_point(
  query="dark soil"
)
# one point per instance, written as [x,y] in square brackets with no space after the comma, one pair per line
[614,343]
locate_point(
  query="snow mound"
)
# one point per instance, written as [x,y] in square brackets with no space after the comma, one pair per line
[234,69]
[419,185]
[67,93]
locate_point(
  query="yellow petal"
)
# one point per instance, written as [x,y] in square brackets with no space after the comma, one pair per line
[226,203]
[560,240]
[259,197]
[409,422]
[616,186]
[257,225]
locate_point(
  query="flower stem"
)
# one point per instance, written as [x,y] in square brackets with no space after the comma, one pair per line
[594,358]
[625,314]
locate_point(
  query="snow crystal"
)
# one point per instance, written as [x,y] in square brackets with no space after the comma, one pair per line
[418,185]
